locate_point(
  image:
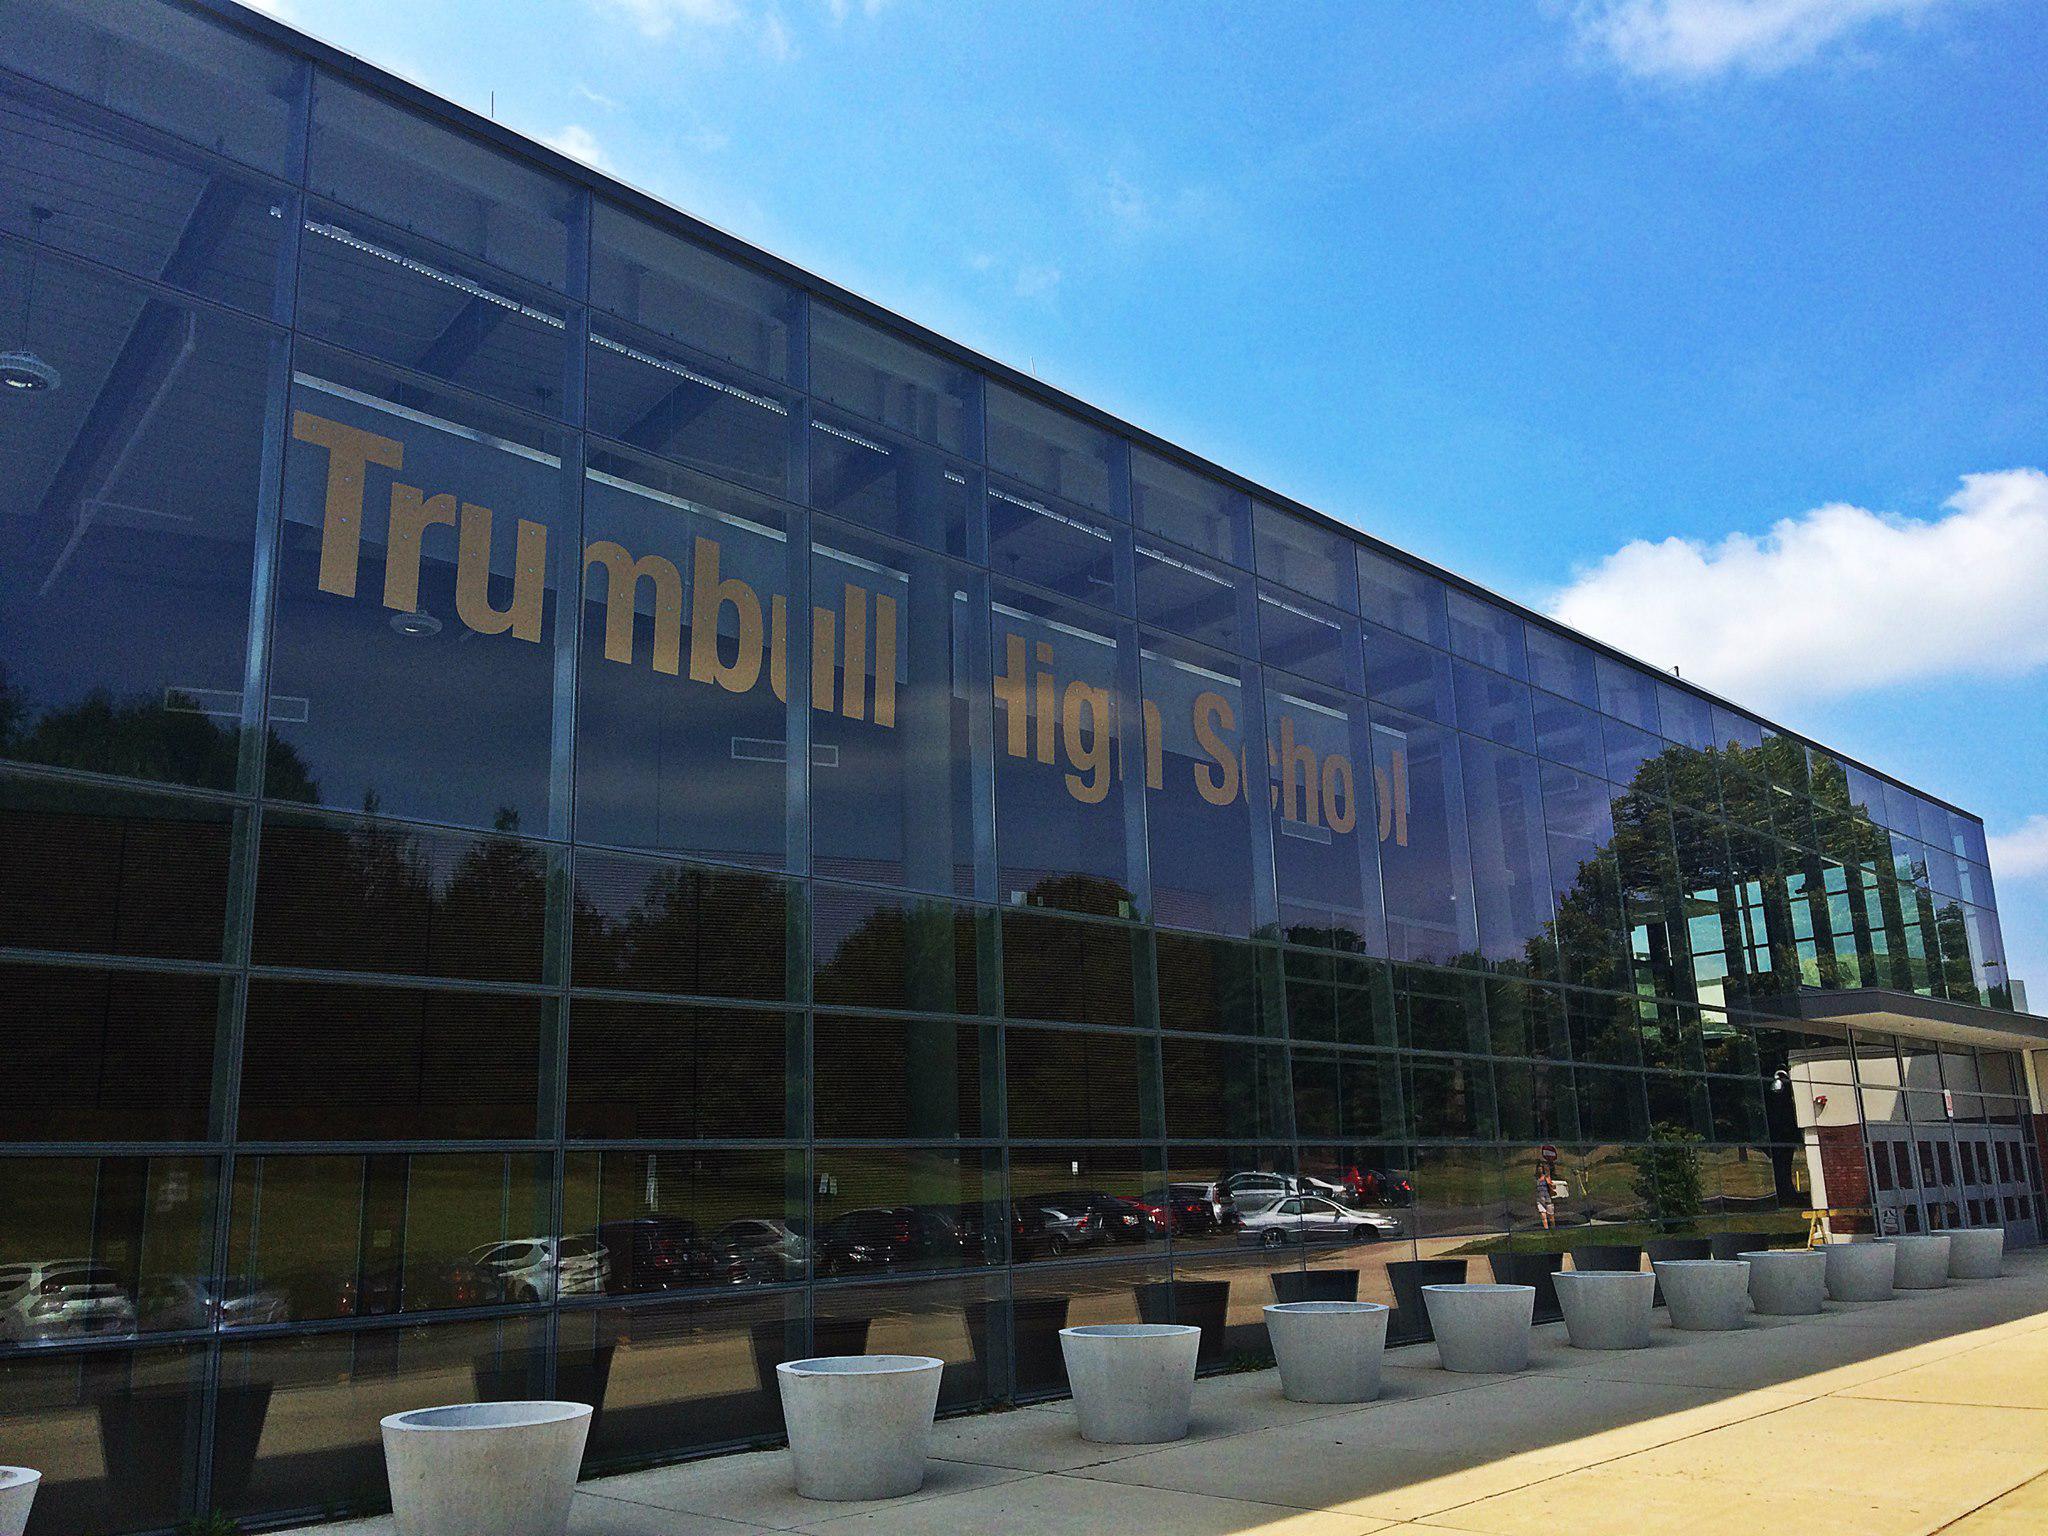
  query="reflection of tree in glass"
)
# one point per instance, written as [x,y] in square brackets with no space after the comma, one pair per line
[1667,1175]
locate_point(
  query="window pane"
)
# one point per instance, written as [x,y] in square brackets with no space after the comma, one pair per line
[1224,1089]
[392,1063]
[209,84]
[1191,509]
[891,381]
[1487,633]
[1628,694]
[1561,665]
[1075,1085]
[413,652]
[1403,598]
[1686,718]
[1317,644]
[1053,452]
[127,526]
[1493,706]
[881,1210]
[652,396]
[1067,552]
[690,1220]
[111,1056]
[891,483]
[1060,824]
[1213,984]
[378,290]
[1510,869]
[1198,815]
[681,721]
[1422,840]
[1331,818]
[342,893]
[647,926]
[433,181]
[102,188]
[1298,554]
[874,950]
[1410,677]
[1068,971]
[895,793]
[109,872]
[659,279]
[905,1079]
[669,1072]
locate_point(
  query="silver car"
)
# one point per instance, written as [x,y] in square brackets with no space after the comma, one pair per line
[538,1268]
[62,1298]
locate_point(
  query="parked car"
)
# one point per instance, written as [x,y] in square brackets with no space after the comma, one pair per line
[62,1298]
[770,1249]
[1118,1219]
[886,1236]
[539,1269]
[664,1253]
[1185,1209]
[1257,1187]
[236,1302]
[1312,1219]
[1070,1226]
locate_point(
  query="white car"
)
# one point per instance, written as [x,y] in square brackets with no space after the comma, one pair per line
[1312,1219]
[62,1298]
[531,1269]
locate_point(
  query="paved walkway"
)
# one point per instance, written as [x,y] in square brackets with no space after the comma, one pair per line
[1926,1413]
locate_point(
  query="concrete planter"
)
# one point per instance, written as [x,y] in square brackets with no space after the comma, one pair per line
[1923,1261]
[1705,1295]
[1134,1383]
[1328,1351]
[1408,1277]
[1976,1253]
[17,1492]
[1860,1271]
[507,1468]
[1537,1269]
[1787,1282]
[1481,1328]
[860,1426]
[1203,1303]
[1607,1308]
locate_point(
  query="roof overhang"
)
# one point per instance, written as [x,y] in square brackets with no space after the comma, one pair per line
[1932,1019]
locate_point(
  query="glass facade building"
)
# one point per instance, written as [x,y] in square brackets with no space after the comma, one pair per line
[582,812]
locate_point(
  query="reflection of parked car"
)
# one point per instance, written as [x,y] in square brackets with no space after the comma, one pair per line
[771,1250]
[1382,1186]
[531,1268]
[419,1285]
[61,1298]
[234,1303]
[1183,1209]
[1069,1227]
[1312,1219]
[663,1253]
[1253,1188]
[1119,1220]
[884,1236]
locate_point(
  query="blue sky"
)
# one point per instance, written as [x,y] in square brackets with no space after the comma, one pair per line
[1716,326]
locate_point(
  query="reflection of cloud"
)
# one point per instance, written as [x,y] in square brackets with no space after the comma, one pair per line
[1698,39]
[579,143]
[2022,852]
[1839,600]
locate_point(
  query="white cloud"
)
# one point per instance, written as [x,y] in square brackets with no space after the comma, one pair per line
[1037,280]
[1837,601]
[579,143]
[283,10]
[658,18]
[1698,39]
[776,40]
[2023,852]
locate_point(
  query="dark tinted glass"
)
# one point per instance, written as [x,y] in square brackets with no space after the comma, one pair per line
[1331,818]
[112,1056]
[1413,678]
[111,872]
[892,483]
[349,894]
[1487,633]
[1224,1089]
[1190,597]
[1214,984]
[1402,598]
[1627,694]
[1562,666]
[127,524]
[1191,509]
[1317,644]
[1423,859]
[875,950]
[375,155]
[1075,1085]
[1308,559]
[670,1072]
[647,926]
[413,666]
[1068,552]
[1510,868]
[902,1079]
[329,1063]
[1066,970]
[657,278]
[1198,814]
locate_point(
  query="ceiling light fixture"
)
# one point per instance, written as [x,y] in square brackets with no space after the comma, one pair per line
[415,623]
[21,370]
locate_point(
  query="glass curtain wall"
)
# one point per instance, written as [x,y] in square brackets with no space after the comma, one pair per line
[582,818]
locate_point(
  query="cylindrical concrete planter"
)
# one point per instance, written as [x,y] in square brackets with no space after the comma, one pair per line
[1787,1282]
[1328,1351]
[507,1468]
[1483,1329]
[1923,1261]
[860,1426]
[1976,1253]
[1860,1271]
[1134,1383]
[1705,1295]
[17,1493]
[1607,1308]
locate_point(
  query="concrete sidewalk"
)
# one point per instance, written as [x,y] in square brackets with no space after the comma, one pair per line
[1925,1413]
